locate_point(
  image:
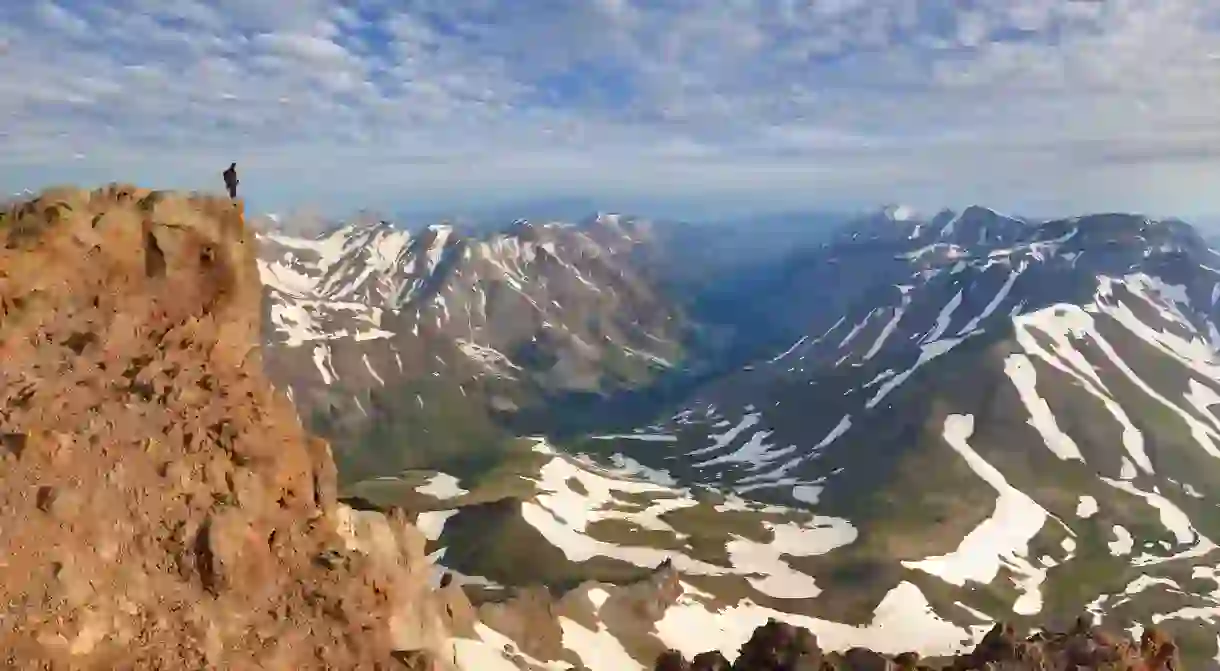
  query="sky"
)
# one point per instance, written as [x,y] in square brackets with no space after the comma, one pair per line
[1036,106]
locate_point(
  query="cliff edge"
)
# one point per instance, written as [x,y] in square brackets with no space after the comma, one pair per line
[164,507]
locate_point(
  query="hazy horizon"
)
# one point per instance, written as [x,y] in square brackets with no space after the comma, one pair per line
[1022,105]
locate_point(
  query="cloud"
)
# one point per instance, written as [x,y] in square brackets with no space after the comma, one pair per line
[1067,104]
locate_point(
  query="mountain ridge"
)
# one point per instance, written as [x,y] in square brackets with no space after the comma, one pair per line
[495,323]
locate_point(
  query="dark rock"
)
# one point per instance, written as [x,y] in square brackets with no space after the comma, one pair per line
[907,660]
[777,646]
[780,646]
[416,660]
[710,661]
[862,659]
[671,660]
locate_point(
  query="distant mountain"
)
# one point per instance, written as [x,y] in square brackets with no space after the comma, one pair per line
[408,347]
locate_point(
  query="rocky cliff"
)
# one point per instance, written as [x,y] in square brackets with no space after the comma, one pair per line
[165,508]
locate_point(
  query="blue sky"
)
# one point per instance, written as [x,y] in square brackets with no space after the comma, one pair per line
[1027,105]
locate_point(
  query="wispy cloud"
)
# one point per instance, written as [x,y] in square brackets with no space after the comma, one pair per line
[1071,104]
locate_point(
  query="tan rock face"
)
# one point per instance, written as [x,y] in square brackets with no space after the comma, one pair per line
[163,507]
[421,620]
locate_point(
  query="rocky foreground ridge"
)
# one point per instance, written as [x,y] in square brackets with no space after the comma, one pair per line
[165,509]
[777,646]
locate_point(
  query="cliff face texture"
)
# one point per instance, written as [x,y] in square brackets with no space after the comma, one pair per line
[163,506]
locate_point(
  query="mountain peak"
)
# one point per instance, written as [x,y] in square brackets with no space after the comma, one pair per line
[899,212]
[608,218]
[364,227]
[984,211]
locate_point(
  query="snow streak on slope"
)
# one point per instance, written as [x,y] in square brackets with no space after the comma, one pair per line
[890,326]
[996,301]
[1021,371]
[1062,324]
[1002,540]
[944,318]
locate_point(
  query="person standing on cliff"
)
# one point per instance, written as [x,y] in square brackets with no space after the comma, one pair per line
[230,176]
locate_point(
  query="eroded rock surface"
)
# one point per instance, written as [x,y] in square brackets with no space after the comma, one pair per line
[163,506]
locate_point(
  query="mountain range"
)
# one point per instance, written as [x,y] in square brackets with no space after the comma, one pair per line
[896,430]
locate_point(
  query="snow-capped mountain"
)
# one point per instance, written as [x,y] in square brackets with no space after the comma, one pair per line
[386,335]
[959,419]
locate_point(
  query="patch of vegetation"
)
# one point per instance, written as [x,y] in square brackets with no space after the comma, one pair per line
[929,503]
[1048,542]
[493,540]
[639,500]
[577,486]
[448,432]
[851,588]
[1070,586]
[488,476]
[508,475]
[382,494]
[1000,594]
[703,521]
[626,533]
[568,416]
[1196,642]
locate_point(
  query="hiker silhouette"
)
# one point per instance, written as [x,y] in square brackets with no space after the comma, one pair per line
[230,176]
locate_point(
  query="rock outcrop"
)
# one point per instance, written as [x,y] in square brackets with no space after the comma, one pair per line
[164,507]
[778,646]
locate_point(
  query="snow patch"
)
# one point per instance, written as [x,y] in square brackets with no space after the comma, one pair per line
[441,486]
[904,620]
[1087,507]
[1001,540]
[1021,372]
